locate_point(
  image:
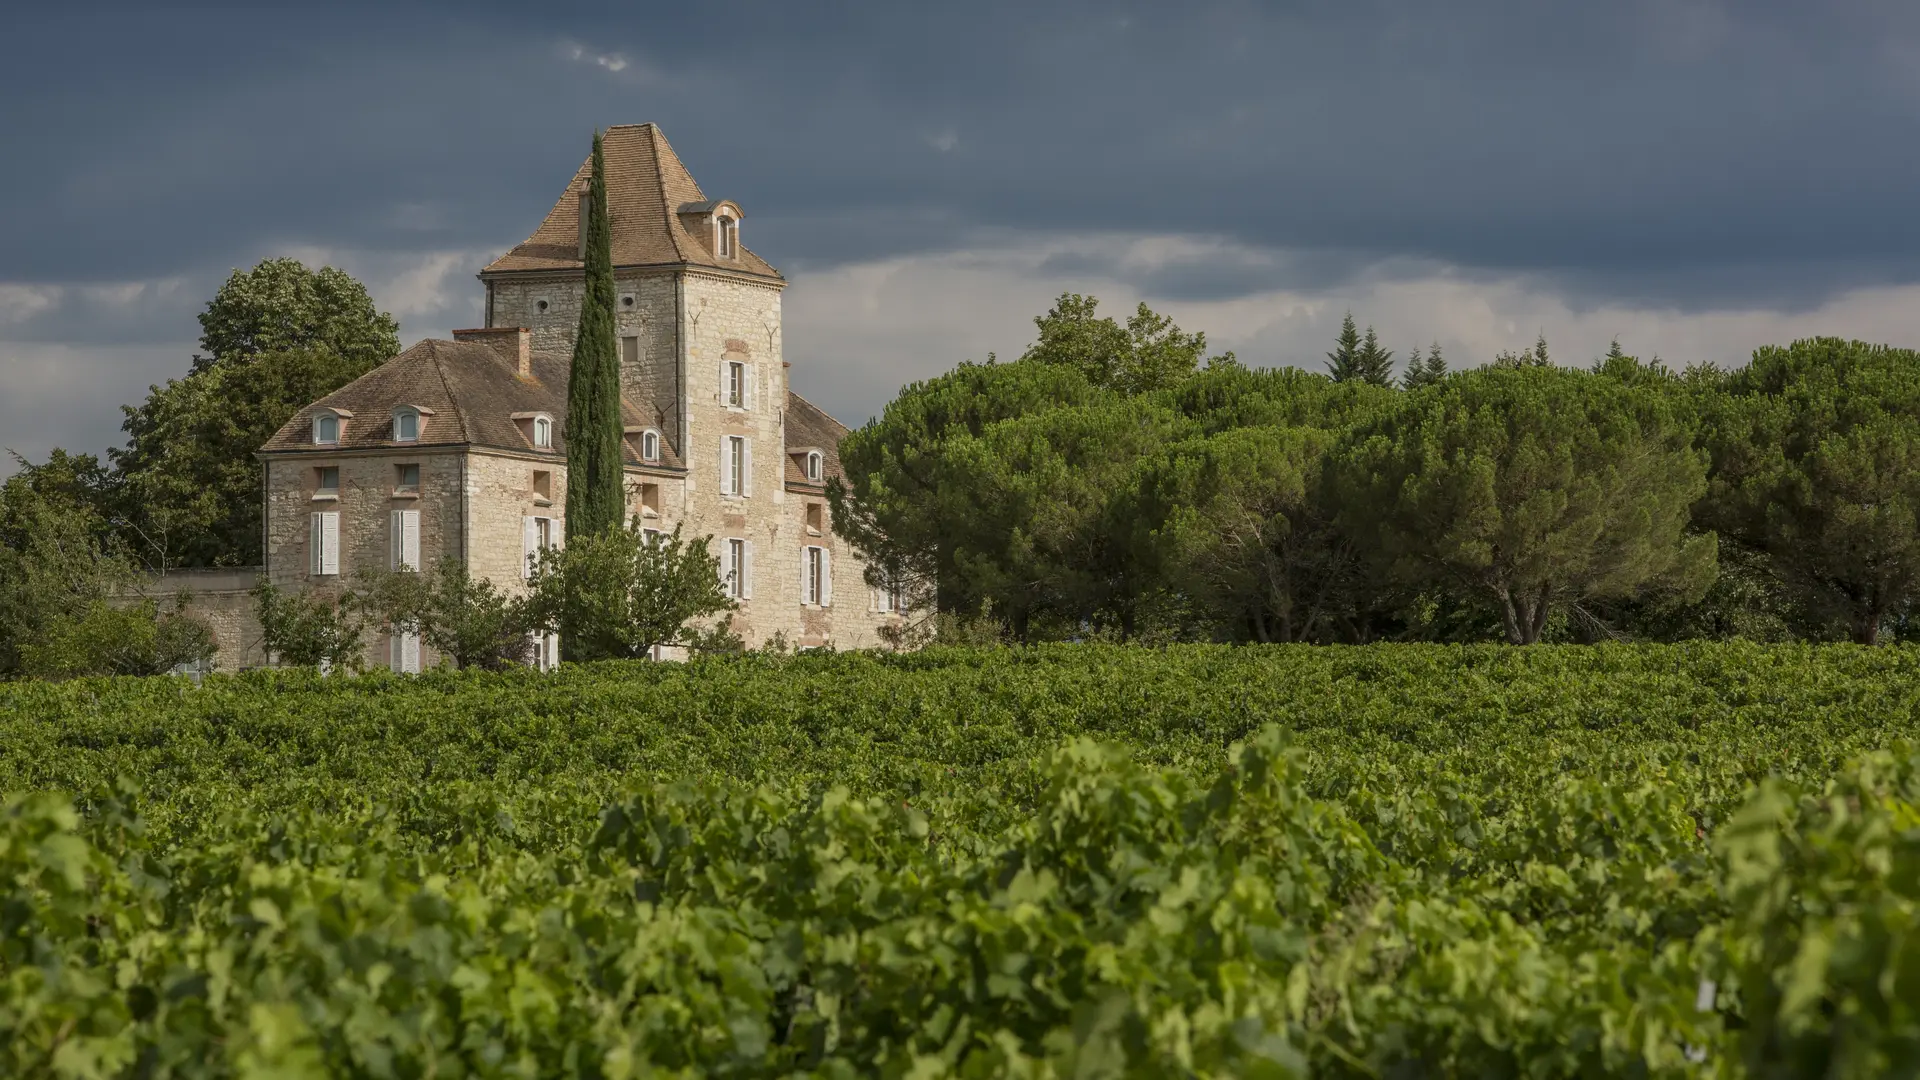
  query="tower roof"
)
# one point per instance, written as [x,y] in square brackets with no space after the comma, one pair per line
[658,213]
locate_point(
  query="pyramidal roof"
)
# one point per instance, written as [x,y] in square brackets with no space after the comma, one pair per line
[660,217]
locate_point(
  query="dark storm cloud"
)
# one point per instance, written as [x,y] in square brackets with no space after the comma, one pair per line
[1715,147]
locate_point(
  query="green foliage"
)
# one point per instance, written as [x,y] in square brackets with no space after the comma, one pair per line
[1531,488]
[1149,353]
[275,338]
[280,306]
[130,637]
[619,594]
[314,627]
[1817,463]
[1357,359]
[1611,861]
[58,557]
[1424,371]
[465,619]
[596,491]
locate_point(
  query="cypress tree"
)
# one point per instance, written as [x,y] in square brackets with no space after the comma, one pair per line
[1374,364]
[596,494]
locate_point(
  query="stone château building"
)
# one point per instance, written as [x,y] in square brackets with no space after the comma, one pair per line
[457,447]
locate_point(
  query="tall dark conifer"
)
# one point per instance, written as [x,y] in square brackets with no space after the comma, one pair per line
[595,494]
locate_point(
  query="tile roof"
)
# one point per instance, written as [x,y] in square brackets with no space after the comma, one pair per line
[810,428]
[470,395]
[656,209]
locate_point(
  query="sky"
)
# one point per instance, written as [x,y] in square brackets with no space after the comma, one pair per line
[1692,177]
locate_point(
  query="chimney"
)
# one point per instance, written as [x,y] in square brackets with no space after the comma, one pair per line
[512,344]
[586,211]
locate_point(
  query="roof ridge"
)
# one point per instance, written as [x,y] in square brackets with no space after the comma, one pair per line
[795,393]
[440,371]
[660,181]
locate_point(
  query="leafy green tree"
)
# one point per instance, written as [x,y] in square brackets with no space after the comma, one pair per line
[898,505]
[281,306]
[319,628]
[274,339]
[596,496]
[1530,489]
[1424,371]
[58,557]
[618,594]
[1149,353]
[1248,537]
[1817,462]
[133,637]
[465,619]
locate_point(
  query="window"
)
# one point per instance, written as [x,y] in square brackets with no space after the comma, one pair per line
[652,536]
[541,306]
[326,428]
[726,236]
[816,465]
[649,500]
[816,518]
[736,385]
[403,652]
[737,568]
[403,540]
[629,351]
[626,302]
[543,432]
[406,425]
[890,598]
[406,479]
[326,482]
[649,445]
[545,650]
[536,535]
[736,466]
[543,485]
[323,543]
[816,576]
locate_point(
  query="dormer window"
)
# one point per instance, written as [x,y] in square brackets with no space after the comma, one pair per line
[543,432]
[649,445]
[326,426]
[406,425]
[726,236]
[816,465]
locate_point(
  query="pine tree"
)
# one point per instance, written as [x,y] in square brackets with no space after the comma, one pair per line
[596,495]
[1425,372]
[1343,360]
[1374,364]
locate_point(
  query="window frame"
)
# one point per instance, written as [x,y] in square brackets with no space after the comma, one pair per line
[650,445]
[542,425]
[405,413]
[815,467]
[326,416]
[400,485]
[726,236]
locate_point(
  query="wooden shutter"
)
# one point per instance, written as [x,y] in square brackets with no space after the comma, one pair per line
[315,539]
[726,464]
[410,652]
[806,579]
[746,570]
[529,538]
[826,577]
[720,392]
[746,466]
[330,541]
[410,539]
[748,374]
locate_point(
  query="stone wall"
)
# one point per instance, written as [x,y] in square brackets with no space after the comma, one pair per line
[221,597]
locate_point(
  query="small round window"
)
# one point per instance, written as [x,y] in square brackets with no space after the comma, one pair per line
[540,306]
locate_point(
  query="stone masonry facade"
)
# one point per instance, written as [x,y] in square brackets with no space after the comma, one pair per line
[740,458]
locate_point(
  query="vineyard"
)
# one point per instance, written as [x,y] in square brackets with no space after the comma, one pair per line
[1392,861]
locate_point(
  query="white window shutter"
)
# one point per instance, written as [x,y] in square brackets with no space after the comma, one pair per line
[396,539]
[528,539]
[746,570]
[726,464]
[750,374]
[410,539]
[727,567]
[746,462]
[410,652]
[826,577]
[806,579]
[316,537]
[330,542]
[720,390]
